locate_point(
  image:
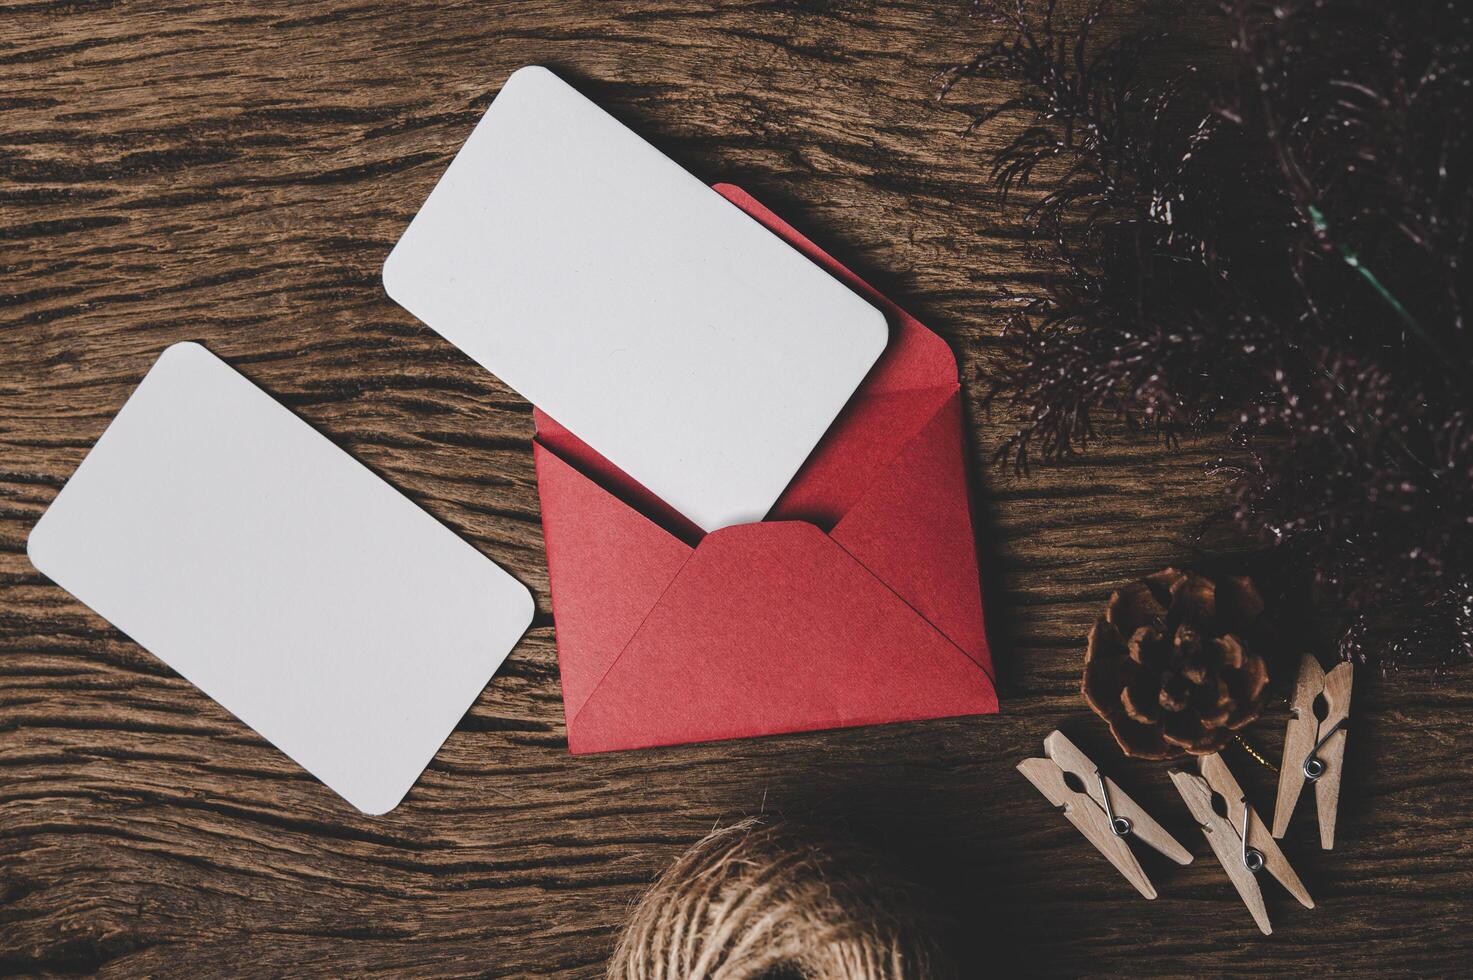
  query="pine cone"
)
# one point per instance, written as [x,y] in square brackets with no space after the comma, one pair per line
[1169,667]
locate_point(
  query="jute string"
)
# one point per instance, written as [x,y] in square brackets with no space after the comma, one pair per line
[761,899]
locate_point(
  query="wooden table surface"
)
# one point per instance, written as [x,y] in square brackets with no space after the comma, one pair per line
[235,173]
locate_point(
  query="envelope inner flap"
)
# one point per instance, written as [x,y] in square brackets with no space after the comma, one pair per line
[868,436]
[913,529]
[609,565]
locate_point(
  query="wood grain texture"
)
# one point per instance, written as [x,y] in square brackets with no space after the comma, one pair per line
[235,173]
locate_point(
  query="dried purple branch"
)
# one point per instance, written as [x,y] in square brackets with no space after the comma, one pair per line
[1274,238]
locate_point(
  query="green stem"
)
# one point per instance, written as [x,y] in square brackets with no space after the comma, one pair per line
[1351,259]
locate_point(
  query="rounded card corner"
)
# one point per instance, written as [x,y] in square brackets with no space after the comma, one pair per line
[879,327]
[36,545]
[530,74]
[191,349]
[378,805]
[527,604]
[389,276]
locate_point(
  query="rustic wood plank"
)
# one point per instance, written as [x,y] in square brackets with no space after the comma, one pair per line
[235,174]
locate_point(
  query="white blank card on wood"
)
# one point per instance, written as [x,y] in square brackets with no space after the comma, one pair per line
[283,578]
[696,350]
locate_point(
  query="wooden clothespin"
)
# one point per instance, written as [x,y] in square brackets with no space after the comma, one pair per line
[1314,748]
[1099,809]
[1239,838]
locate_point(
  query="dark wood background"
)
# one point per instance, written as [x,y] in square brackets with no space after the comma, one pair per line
[235,173]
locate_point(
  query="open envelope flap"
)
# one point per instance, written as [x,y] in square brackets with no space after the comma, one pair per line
[774,628]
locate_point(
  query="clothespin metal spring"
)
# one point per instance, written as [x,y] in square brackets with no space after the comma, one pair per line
[1252,856]
[1119,826]
[1314,766]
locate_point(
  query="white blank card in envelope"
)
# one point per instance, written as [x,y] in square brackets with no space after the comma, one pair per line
[283,578]
[693,348]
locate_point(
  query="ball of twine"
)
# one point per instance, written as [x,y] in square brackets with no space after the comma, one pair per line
[762,899]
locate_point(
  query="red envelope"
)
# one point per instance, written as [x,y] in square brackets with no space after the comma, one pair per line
[857,602]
